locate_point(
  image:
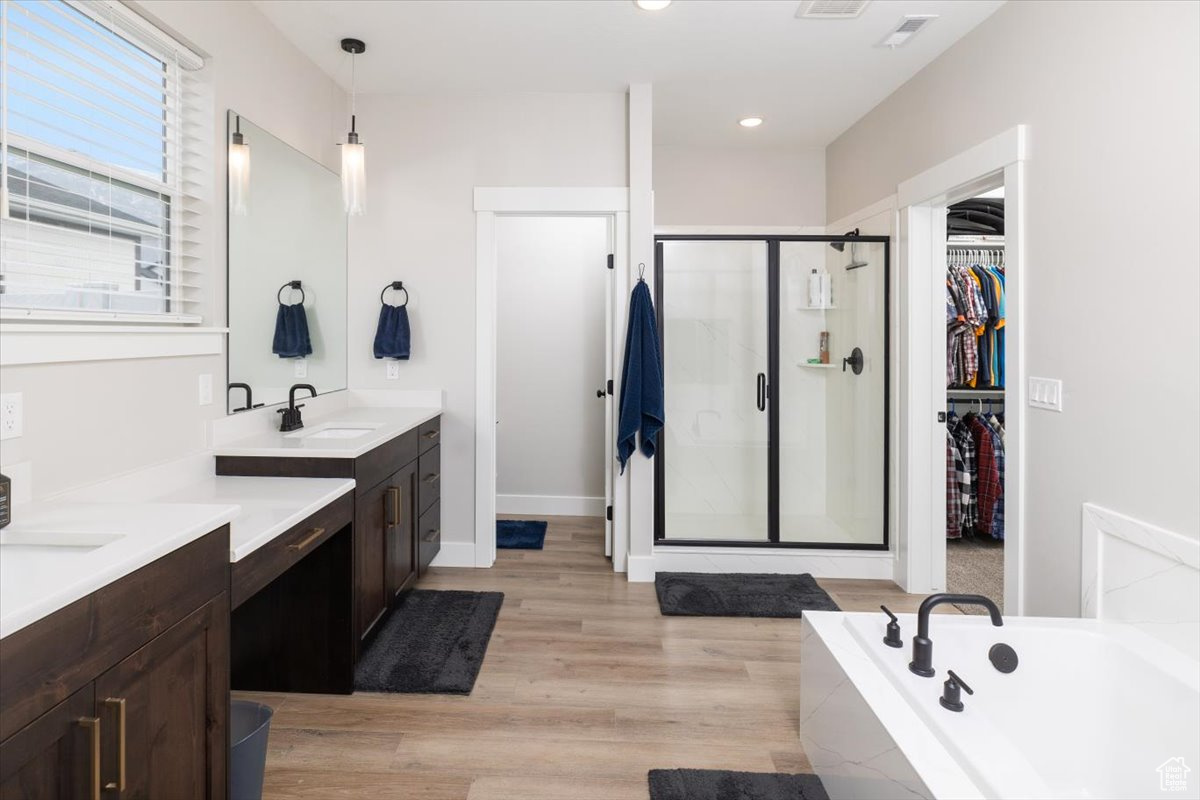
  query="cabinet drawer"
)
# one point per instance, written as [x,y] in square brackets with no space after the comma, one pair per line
[429,535]
[44,663]
[429,479]
[274,558]
[430,433]
[376,466]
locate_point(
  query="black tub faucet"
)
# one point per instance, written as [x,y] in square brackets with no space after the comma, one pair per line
[922,651]
[291,415]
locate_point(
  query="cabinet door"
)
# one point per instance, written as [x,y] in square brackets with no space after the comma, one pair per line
[164,713]
[401,539]
[55,757]
[371,514]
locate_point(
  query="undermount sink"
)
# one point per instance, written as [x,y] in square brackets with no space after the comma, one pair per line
[54,543]
[335,430]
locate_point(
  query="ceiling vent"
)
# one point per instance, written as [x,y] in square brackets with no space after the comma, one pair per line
[831,9]
[909,26]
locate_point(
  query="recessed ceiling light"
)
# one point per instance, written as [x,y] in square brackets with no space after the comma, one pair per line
[750,122]
[652,5]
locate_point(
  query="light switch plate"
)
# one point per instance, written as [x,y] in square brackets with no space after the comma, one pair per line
[393,370]
[1046,393]
[206,389]
[301,368]
[12,415]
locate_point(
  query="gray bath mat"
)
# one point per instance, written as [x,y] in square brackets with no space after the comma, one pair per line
[433,643]
[696,594]
[719,784]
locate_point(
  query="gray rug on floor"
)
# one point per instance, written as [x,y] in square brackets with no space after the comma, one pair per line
[718,784]
[433,643]
[975,565]
[695,594]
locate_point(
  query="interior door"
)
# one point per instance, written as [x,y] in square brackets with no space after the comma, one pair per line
[714,315]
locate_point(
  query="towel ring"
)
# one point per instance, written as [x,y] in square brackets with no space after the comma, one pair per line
[291,285]
[399,287]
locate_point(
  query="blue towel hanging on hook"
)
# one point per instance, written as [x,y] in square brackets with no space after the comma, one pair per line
[641,406]
[393,337]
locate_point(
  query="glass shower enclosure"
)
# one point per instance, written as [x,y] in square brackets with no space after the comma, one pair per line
[775,360]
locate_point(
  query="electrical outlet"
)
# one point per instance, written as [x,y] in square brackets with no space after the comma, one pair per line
[301,368]
[12,416]
[393,370]
[206,389]
[1046,393]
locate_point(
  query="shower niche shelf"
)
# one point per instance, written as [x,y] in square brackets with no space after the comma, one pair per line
[806,365]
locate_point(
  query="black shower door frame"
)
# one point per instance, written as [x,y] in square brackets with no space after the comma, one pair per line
[773,488]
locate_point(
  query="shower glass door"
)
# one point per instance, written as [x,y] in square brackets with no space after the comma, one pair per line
[715,363]
[766,442]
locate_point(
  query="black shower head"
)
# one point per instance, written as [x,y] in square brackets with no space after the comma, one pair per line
[839,246]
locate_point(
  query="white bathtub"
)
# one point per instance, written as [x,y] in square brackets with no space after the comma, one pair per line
[1092,711]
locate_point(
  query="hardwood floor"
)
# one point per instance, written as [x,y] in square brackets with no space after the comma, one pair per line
[585,688]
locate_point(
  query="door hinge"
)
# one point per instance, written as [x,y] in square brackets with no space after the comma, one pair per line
[608,387]
[611,260]
[608,513]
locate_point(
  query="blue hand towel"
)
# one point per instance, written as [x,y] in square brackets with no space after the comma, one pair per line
[641,379]
[392,336]
[291,332]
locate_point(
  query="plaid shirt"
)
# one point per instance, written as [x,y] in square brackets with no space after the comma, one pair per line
[966,450]
[958,488]
[989,491]
[997,530]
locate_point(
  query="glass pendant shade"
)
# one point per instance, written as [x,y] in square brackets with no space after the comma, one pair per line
[354,176]
[239,175]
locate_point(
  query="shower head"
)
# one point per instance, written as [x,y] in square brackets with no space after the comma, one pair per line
[841,246]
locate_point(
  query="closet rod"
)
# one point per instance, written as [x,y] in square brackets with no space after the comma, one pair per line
[955,246]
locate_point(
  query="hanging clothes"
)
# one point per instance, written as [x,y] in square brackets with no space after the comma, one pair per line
[974,476]
[975,320]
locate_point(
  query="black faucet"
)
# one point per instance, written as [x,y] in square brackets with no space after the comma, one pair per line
[952,690]
[291,414]
[249,396]
[922,651]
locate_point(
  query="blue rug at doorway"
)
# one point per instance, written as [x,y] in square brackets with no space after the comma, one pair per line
[520,534]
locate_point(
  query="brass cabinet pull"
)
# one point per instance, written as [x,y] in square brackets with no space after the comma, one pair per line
[313,535]
[92,726]
[119,702]
[431,477]
[431,435]
[394,493]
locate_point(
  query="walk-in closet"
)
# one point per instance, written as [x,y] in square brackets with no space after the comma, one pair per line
[975,385]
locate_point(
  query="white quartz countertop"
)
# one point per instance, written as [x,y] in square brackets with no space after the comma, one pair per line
[269,506]
[55,553]
[333,435]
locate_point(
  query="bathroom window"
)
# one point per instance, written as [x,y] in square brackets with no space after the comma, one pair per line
[99,133]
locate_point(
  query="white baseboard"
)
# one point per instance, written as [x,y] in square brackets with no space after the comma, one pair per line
[455,554]
[639,569]
[549,505]
[820,563]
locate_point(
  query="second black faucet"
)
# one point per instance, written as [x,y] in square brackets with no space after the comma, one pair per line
[292,420]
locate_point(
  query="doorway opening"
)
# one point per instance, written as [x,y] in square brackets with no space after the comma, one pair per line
[553,289]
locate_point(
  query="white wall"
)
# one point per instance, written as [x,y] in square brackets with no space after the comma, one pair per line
[85,422]
[551,278]
[747,186]
[1111,94]
[424,157]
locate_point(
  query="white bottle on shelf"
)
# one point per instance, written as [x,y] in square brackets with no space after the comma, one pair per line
[814,290]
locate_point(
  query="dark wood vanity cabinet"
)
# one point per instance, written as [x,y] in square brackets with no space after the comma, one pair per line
[125,692]
[397,525]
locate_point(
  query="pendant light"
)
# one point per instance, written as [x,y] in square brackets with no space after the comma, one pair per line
[239,170]
[354,178]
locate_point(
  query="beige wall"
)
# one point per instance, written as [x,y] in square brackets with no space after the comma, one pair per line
[738,186]
[1111,94]
[86,422]
[425,155]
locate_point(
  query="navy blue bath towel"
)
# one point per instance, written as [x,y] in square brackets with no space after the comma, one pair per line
[291,332]
[392,336]
[641,379]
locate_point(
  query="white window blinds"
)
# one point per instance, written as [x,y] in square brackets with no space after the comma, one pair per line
[103,147]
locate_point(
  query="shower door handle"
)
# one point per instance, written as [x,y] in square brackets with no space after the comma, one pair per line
[762,392]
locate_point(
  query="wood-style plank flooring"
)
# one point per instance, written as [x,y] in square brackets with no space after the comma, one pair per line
[585,688]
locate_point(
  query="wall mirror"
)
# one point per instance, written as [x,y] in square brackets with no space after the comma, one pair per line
[287,270]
